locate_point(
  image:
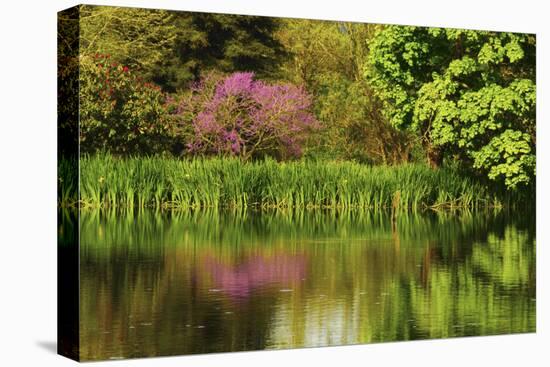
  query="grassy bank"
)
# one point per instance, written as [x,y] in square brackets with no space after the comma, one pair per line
[107,181]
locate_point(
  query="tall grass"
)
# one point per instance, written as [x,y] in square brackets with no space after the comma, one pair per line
[107,181]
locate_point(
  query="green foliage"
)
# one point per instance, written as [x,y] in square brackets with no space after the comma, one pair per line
[468,94]
[220,42]
[118,112]
[107,181]
[138,38]
[328,58]
[172,48]
[354,127]
[508,155]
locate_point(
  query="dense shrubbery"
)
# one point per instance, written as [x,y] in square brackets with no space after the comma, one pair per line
[118,111]
[220,114]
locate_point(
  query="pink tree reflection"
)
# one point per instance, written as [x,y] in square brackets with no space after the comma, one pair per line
[239,281]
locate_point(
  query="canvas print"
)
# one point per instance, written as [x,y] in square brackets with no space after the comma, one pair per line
[239,183]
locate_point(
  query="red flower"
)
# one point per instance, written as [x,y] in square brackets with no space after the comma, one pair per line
[125,69]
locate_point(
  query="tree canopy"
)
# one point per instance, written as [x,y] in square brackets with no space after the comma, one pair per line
[328,59]
[468,95]
[173,48]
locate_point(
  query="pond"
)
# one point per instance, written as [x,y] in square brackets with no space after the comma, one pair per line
[164,283]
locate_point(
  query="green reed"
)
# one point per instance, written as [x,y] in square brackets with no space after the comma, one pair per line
[107,181]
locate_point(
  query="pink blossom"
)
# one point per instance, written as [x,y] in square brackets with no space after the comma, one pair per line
[238,115]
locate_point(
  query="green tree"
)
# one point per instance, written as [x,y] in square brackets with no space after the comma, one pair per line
[173,48]
[328,58]
[221,42]
[468,95]
[138,38]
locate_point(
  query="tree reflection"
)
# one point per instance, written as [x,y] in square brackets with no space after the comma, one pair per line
[193,282]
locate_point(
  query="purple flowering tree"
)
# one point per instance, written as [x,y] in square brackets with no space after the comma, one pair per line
[240,116]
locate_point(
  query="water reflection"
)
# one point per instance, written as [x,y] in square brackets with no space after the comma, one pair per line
[256,272]
[157,283]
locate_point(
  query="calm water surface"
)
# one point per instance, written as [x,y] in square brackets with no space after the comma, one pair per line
[155,283]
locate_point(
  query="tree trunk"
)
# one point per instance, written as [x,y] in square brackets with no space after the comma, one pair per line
[434,156]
